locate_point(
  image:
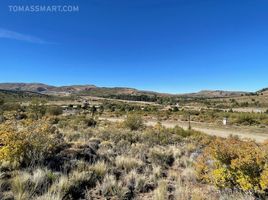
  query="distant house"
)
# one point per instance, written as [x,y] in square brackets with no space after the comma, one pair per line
[65,107]
[224,121]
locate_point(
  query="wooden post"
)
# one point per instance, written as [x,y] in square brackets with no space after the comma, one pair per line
[189,120]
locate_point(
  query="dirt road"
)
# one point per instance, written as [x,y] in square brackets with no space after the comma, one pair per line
[258,134]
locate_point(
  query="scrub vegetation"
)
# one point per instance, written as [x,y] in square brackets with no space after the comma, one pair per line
[48,152]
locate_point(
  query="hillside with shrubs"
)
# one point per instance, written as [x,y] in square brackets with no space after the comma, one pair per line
[46,154]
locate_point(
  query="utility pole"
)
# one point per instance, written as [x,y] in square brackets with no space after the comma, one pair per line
[189,121]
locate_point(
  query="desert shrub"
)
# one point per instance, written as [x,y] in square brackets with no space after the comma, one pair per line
[136,182]
[90,122]
[160,156]
[133,122]
[184,133]
[29,143]
[122,147]
[100,169]
[188,174]
[37,109]
[116,135]
[264,179]
[106,151]
[127,163]
[246,119]
[78,183]
[21,187]
[161,192]
[111,187]
[57,190]
[231,163]
[183,162]
[2,101]
[160,137]
[71,187]
[77,121]
[20,116]
[140,151]
[26,185]
[55,110]
[93,110]
[235,195]
[2,118]
[11,106]
[50,196]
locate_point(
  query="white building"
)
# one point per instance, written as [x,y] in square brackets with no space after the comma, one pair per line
[224,121]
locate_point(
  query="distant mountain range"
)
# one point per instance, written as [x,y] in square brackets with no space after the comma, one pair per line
[216,93]
[106,91]
[43,88]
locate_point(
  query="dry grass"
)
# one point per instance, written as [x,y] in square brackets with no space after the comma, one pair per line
[161,191]
[111,162]
[127,163]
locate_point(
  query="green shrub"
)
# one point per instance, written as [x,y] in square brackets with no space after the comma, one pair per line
[55,110]
[184,133]
[247,119]
[37,109]
[133,122]
[90,122]
[161,156]
[2,102]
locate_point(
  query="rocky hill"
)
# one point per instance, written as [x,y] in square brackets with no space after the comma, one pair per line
[216,94]
[43,88]
[93,90]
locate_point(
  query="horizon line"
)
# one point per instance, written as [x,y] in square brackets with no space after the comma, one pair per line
[130,87]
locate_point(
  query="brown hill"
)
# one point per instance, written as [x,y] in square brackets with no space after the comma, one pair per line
[216,94]
[113,91]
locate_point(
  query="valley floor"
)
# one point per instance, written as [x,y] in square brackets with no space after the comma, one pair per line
[255,133]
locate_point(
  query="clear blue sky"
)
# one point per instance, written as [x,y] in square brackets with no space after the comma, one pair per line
[162,45]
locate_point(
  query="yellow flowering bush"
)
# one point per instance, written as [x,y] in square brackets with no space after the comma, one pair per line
[264,179]
[232,163]
[27,141]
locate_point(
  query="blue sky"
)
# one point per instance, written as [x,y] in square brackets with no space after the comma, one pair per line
[172,46]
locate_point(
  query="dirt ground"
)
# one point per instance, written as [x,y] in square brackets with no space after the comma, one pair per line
[258,134]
